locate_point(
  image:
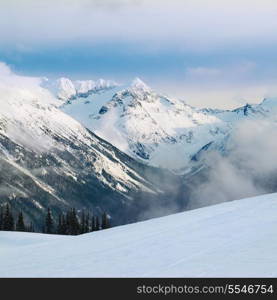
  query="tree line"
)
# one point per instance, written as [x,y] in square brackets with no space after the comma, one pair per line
[8,222]
[69,223]
[72,224]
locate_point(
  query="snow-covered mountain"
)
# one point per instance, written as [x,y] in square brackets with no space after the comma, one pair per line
[53,160]
[233,239]
[236,120]
[156,129]
[67,90]
[48,159]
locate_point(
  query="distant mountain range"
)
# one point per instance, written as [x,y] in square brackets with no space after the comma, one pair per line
[155,129]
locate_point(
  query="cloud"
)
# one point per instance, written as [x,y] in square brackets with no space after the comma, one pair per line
[18,95]
[248,170]
[227,47]
[22,87]
[224,86]
[200,72]
[230,73]
[223,96]
[4,70]
[196,25]
[10,79]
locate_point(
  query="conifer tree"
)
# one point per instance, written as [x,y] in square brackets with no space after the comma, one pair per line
[72,223]
[49,224]
[92,224]
[1,217]
[64,226]
[75,223]
[8,221]
[31,228]
[67,222]
[59,227]
[105,221]
[97,224]
[20,225]
[87,223]
[83,223]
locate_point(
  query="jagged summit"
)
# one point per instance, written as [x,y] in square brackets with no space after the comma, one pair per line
[147,125]
[66,89]
[137,83]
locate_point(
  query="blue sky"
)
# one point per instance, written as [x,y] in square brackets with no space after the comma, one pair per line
[210,53]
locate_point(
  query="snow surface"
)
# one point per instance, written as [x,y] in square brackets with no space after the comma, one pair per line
[233,239]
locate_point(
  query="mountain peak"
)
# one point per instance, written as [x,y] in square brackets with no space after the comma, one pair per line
[139,84]
[66,89]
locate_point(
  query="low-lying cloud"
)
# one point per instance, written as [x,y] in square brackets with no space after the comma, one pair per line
[24,87]
[248,169]
[16,91]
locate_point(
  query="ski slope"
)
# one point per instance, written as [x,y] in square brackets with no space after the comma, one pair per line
[233,239]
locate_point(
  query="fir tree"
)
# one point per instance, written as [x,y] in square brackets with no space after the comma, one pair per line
[92,224]
[49,224]
[83,223]
[75,226]
[64,227]
[59,227]
[68,222]
[1,217]
[20,225]
[87,223]
[31,228]
[8,221]
[105,221]
[97,224]
[72,223]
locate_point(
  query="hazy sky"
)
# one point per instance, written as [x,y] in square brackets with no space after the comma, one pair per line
[208,52]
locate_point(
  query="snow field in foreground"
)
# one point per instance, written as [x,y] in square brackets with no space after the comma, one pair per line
[233,239]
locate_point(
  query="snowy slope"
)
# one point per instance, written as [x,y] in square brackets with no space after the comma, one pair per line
[148,126]
[233,239]
[40,127]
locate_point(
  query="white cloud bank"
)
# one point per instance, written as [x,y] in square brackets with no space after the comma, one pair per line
[24,87]
[186,26]
[249,169]
[189,24]
[225,87]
